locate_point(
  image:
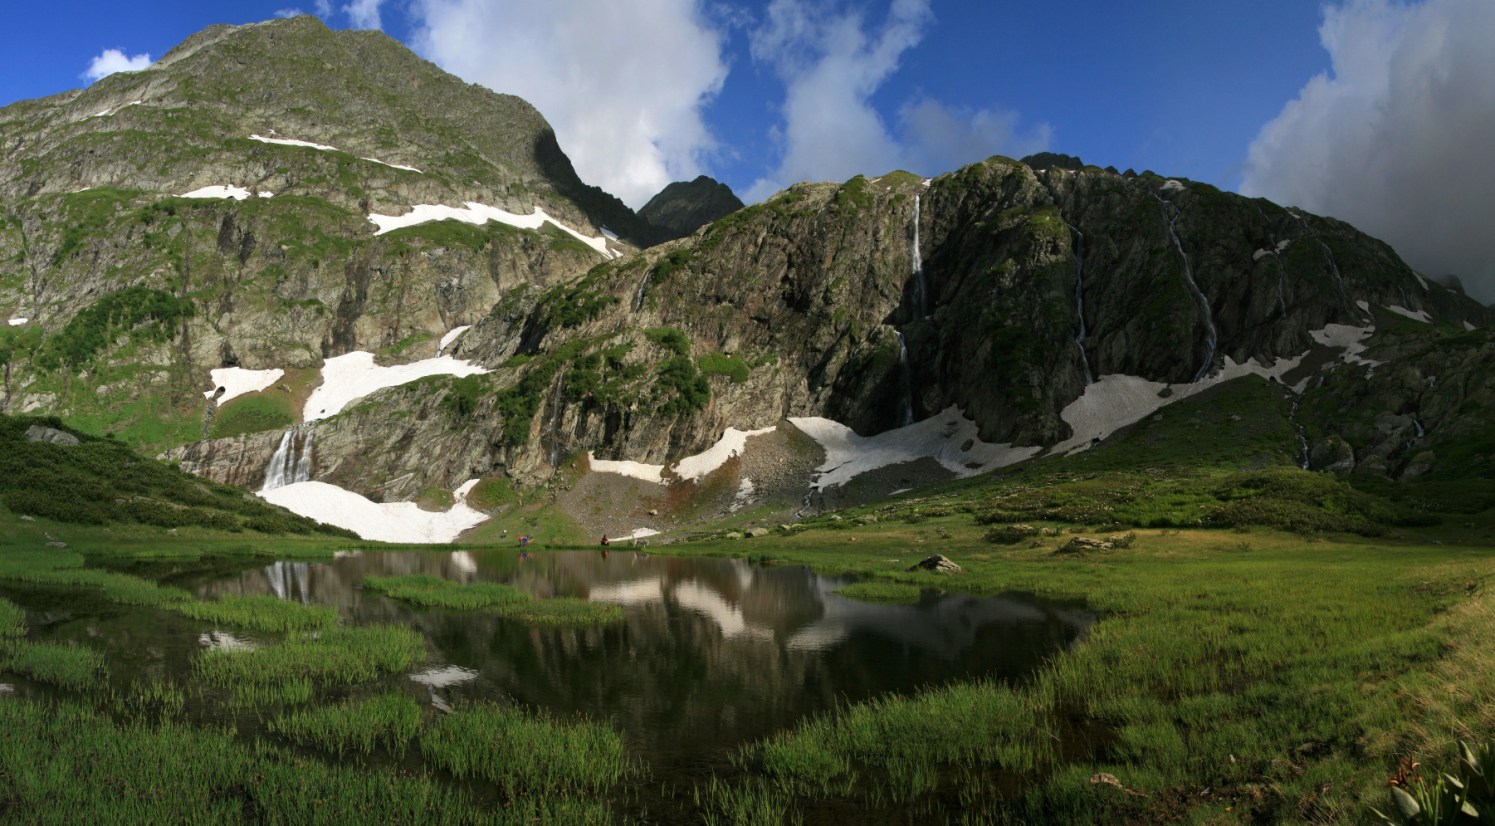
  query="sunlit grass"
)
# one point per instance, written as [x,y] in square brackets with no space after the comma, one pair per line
[263,613]
[524,754]
[507,601]
[67,764]
[434,592]
[390,720]
[74,667]
[12,620]
[338,656]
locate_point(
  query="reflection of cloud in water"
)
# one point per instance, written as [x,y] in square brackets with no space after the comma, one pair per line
[629,592]
[689,594]
[224,641]
[346,554]
[728,617]
[945,626]
[464,562]
[444,676]
[7,689]
[289,580]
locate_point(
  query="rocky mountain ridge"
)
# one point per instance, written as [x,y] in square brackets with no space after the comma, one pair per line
[1034,306]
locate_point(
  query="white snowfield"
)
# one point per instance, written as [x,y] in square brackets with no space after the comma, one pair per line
[478,214]
[1419,315]
[382,522]
[322,147]
[238,193]
[942,437]
[451,336]
[16,322]
[1467,327]
[236,381]
[1172,185]
[393,165]
[1349,339]
[288,142]
[732,443]
[350,377]
[638,533]
[1117,400]
[107,112]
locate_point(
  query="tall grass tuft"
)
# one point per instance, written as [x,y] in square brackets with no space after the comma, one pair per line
[68,764]
[12,620]
[263,613]
[335,657]
[525,754]
[388,719]
[73,667]
[434,592]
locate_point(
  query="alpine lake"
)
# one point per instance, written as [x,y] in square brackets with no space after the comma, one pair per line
[672,667]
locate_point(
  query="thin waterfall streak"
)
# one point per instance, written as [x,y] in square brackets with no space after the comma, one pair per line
[638,297]
[557,418]
[921,289]
[1211,334]
[1079,245]
[906,384]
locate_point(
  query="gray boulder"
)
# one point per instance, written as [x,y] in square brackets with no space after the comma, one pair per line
[38,433]
[937,563]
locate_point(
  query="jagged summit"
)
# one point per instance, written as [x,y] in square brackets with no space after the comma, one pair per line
[684,207]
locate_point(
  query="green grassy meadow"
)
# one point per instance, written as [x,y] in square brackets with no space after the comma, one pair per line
[1273,667]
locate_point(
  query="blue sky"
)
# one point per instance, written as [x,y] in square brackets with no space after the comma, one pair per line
[1249,95]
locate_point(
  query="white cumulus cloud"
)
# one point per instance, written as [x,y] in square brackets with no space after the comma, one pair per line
[1396,137]
[114,60]
[622,84]
[831,65]
[363,14]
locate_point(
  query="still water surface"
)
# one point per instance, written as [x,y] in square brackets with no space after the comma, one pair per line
[710,654]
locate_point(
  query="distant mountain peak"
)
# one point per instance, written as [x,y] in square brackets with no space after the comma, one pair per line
[684,207]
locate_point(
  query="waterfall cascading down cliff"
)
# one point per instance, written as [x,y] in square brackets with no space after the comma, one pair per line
[291,462]
[921,289]
[1211,340]
[906,384]
[557,418]
[1079,244]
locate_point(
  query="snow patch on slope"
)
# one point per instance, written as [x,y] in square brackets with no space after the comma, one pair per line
[732,443]
[1419,315]
[236,381]
[16,322]
[1118,400]
[450,337]
[478,214]
[107,112]
[350,377]
[288,142]
[1468,328]
[236,193]
[381,522]
[948,438]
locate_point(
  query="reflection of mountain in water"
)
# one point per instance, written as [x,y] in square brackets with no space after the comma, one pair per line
[710,653]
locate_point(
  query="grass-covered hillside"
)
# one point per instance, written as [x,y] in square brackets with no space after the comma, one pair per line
[101,481]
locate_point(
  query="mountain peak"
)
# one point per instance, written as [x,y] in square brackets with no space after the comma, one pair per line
[684,207]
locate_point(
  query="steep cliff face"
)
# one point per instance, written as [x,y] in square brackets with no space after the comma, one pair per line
[998,290]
